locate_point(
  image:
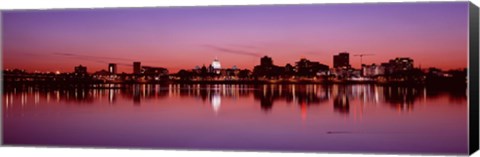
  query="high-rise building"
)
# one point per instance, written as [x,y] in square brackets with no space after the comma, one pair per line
[112,68]
[341,60]
[137,67]
[80,69]
[267,68]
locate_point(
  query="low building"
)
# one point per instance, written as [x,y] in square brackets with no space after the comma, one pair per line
[154,73]
[398,65]
[307,68]
[103,75]
[372,70]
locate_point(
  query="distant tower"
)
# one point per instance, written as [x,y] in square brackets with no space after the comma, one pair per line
[216,66]
[136,67]
[112,68]
[341,60]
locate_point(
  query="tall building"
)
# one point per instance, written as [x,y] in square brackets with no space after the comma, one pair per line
[267,69]
[112,68]
[80,69]
[137,68]
[341,60]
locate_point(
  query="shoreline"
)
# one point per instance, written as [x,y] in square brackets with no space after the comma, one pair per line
[92,84]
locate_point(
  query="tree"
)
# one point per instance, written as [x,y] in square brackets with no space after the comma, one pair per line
[184,75]
[243,74]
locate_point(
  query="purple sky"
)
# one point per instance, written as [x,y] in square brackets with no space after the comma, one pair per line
[433,34]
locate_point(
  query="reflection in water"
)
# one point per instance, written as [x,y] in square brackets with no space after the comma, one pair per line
[399,98]
[340,103]
[216,101]
[260,117]
[299,94]
[402,98]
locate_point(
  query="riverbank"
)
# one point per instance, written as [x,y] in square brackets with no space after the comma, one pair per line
[113,84]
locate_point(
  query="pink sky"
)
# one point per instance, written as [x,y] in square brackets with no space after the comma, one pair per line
[433,34]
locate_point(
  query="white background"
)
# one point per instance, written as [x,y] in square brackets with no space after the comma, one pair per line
[83,152]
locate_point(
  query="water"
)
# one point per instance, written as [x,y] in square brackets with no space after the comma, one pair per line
[318,118]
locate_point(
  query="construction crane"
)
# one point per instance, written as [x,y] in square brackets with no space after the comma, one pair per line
[361,57]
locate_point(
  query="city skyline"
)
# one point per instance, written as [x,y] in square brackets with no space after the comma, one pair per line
[111,67]
[290,78]
[184,37]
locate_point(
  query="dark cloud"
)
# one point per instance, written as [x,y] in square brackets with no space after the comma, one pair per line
[246,46]
[98,59]
[232,51]
[90,57]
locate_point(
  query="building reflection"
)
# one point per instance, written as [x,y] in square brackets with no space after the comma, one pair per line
[346,99]
[307,95]
[216,102]
[341,103]
[402,98]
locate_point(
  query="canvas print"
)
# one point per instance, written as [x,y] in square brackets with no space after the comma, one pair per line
[373,77]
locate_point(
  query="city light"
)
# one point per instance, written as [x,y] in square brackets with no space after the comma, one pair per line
[397,70]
